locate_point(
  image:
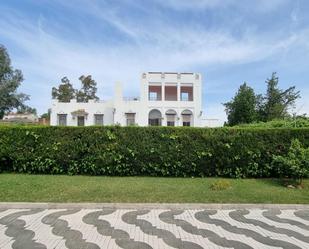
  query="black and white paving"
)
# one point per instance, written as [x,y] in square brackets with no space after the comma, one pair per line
[153,228]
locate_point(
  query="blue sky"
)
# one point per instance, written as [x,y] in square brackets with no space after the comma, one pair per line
[228,41]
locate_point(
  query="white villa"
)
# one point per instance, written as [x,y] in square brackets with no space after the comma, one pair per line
[167,99]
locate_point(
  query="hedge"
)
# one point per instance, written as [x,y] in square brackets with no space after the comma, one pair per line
[148,151]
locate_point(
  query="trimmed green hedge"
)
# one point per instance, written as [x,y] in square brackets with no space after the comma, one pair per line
[148,151]
[281,123]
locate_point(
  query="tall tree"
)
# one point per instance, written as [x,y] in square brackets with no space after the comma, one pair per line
[10,80]
[26,109]
[242,108]
[88,90]
[46,114]
[65,91]
[276,103]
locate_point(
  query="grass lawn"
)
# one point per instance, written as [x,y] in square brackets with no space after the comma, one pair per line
[55,188]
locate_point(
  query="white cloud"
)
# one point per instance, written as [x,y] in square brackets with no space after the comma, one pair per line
[295,14]
[254,5]
[195,4]
[47,56]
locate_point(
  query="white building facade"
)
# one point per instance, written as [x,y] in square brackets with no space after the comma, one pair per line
[166,99]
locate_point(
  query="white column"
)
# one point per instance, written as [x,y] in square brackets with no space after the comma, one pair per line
[178,99]
[163,91]
[178,91]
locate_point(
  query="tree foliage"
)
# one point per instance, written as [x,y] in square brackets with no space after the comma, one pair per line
[295,164]
[295,122]
[26,109]
[88,90]
[65,91]
[247,107]
[242,108]
[10,80]
[46,114]
[276,103]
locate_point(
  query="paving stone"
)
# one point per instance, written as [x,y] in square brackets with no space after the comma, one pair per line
[153,228]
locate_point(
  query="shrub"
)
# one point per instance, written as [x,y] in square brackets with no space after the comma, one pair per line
[300,122]
[148,151]
[295,164]
[220,185]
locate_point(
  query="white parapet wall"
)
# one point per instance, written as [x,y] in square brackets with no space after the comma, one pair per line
[211,122]
[87,110]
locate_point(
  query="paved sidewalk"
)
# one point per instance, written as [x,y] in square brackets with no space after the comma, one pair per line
[154,228]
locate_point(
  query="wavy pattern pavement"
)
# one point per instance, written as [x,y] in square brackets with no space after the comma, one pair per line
[206,217]
[74,238]
[206,233]
[242,216]
[274,215]
[153,229]
[109,229]
[15,228]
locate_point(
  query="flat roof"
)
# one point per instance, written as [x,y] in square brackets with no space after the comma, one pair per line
[167,73]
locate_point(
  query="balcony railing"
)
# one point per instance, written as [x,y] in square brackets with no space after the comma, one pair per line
[131,98]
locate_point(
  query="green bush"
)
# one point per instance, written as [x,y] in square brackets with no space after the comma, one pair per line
[300,122]
[295,164]
[148,151]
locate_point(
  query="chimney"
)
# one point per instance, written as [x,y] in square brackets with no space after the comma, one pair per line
[118,91]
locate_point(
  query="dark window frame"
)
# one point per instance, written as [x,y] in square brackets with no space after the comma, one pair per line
[129,119]
[95,119]
[187,124]
[61,115]
[170,123]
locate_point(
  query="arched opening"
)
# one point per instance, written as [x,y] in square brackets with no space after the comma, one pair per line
[187,117]
[170,117]
[155,118]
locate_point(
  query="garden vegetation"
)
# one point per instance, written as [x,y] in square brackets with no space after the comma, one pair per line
[154,151]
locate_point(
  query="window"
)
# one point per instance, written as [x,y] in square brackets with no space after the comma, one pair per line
[186,117]
[98,119]
[184,96]
[154,118]
[130,119]
[153,96]
[170,117]
[62,119]
[155,92]
[154,122]
[186,92]
[170,123]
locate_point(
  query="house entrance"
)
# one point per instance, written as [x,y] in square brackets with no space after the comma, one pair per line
[81,121]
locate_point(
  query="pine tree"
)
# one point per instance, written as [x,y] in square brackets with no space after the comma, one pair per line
[242,108]
[276,103]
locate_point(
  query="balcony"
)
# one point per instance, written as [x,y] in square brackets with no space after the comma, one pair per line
[186,93]
[155,92]
[171,92]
